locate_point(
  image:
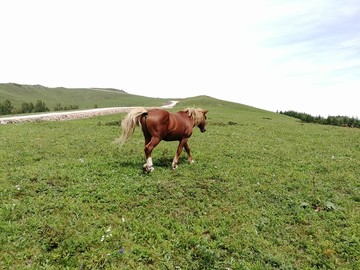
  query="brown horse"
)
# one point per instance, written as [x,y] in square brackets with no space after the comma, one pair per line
[158,124]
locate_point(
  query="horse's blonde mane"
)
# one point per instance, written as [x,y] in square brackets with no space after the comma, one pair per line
[197,114]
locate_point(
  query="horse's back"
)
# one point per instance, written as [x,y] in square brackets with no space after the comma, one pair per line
[166,125]
[157,116]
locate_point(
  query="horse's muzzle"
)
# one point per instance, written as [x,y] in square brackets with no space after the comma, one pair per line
[203,130]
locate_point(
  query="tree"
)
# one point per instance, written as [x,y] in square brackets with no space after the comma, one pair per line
[6,107]
[330,120]
[27,107]
[40,106]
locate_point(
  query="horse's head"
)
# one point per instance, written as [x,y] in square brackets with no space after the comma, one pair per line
[199,117]
[202,124]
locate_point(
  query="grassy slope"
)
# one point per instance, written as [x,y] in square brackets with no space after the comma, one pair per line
[265,192]
[85,98]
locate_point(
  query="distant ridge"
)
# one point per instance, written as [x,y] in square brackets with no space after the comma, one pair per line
[39,86]
[84,98]
[95,97]
[108,89]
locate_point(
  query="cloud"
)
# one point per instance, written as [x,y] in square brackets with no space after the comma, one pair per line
[317,39]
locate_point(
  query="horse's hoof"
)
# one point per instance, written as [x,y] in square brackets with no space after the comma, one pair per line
[147,169]
[174,167]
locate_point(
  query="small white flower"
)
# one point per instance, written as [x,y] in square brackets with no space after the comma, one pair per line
[123,219]
[108,229]
[17,187]
[102,238]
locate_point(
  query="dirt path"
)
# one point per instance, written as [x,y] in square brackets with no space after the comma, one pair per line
[68,115]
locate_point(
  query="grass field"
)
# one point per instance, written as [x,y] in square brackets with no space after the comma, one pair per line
[265,192]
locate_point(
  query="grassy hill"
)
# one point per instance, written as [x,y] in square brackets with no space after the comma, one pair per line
[265,192]
[85,98]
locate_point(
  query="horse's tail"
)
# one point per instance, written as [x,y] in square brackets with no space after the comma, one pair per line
[131,120]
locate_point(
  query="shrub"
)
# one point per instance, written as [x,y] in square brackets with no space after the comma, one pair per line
[59,107]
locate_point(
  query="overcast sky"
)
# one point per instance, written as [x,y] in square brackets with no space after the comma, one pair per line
[272,54]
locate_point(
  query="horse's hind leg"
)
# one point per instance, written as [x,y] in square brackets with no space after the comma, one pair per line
[149,146]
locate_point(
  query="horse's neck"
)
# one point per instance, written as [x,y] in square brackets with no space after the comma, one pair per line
[182,118]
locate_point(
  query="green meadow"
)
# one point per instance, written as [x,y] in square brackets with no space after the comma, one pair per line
[265,192]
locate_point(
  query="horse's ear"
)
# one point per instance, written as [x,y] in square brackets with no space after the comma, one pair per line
[205,112]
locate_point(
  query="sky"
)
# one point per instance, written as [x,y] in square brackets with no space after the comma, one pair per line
[277,55]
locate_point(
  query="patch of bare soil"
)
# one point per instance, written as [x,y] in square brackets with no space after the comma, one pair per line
[69,115]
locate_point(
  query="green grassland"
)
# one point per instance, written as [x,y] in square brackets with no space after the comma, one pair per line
[265,192]
[85,98]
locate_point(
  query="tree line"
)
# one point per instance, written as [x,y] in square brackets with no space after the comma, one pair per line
[6,107]
[342,121]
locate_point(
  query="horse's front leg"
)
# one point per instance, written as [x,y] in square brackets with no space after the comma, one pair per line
[181,145]
[187,149]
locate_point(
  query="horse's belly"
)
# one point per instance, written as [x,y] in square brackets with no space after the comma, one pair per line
[176,137]
[172,138]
